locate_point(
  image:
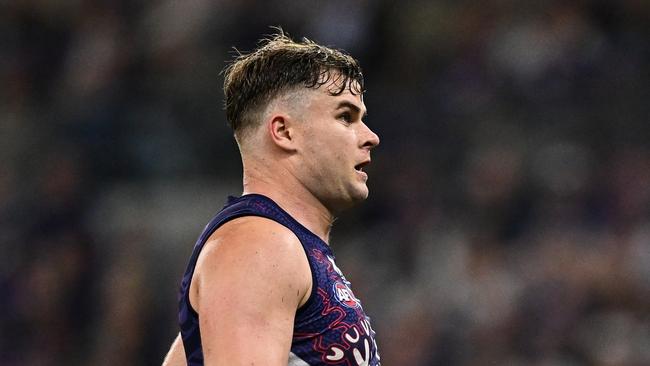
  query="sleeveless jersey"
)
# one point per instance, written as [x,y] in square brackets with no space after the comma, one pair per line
[331,328]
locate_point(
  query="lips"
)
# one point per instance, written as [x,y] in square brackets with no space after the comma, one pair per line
[359,170]
[359,167]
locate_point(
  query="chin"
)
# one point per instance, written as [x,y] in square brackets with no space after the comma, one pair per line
[361,195]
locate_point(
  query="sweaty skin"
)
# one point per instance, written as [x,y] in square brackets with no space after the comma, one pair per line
[310,161]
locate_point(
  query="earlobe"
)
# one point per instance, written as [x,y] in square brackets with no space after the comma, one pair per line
[281,132]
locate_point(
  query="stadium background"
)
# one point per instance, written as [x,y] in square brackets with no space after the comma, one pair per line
[509,217]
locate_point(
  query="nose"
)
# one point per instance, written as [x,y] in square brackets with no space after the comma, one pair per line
[370,139]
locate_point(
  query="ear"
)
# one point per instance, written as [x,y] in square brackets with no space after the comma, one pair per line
[282,131]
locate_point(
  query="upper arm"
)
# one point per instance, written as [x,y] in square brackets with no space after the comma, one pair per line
[250,279]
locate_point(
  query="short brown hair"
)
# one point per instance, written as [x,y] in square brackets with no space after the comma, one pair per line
[278,65]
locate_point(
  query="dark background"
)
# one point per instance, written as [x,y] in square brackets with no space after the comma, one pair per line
[509,217]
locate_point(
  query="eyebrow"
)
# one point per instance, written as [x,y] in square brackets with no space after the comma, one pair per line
[354,107]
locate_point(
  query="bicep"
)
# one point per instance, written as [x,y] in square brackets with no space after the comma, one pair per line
[250,284]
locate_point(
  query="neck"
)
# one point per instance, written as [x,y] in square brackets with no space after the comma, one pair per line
[292,196]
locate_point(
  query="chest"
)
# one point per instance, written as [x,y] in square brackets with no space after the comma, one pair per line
[334,329]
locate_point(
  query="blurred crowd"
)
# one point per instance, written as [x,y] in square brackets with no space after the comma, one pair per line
[509,217]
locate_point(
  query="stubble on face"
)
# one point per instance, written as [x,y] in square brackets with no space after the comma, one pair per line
[330,148]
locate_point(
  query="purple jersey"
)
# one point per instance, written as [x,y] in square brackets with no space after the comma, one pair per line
[331,328]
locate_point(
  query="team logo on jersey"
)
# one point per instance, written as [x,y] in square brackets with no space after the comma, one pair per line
[344,295]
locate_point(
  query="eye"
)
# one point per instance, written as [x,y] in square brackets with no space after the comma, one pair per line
[346,117]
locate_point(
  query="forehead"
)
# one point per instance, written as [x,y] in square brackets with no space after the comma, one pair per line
[326,96]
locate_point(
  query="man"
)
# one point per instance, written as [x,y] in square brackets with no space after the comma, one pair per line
[262,287]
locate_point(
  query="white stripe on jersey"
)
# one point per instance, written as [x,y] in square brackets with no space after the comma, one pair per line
[296,361]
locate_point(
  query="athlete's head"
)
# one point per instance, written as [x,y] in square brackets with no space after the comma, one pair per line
[279,66]
[306,101]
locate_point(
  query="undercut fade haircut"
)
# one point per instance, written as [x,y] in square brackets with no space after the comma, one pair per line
[279,65]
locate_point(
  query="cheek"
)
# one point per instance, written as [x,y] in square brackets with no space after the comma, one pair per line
[325,161]
[331,148]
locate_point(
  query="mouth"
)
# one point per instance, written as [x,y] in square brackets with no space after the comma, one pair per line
[359,167]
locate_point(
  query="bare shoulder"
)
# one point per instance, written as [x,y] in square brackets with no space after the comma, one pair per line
[251,239]
[253,228]
[252,250]
[250,278]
